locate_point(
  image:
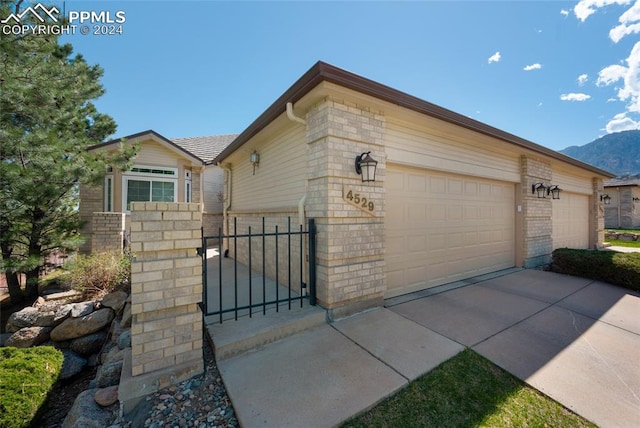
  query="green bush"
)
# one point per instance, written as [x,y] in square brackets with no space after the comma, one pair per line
[26,376]
[100,273]
[608,266]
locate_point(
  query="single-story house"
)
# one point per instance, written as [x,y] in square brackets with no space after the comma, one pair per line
[452,197]
[622,203]
[164,170]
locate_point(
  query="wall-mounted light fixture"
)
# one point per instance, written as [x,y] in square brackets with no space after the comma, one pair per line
[606,199]
[366,167]
[636,199]
[539,189]
[554,191]
[255,160]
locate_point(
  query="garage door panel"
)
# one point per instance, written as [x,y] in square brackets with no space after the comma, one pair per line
[455,227]
[570,220]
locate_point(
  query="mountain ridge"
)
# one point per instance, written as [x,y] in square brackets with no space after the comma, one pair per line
[618,153]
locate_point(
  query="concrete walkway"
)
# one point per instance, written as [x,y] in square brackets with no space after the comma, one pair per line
[574,339]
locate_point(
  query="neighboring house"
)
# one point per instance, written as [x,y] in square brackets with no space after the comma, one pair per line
[452,198]
[622,207]
[177,170]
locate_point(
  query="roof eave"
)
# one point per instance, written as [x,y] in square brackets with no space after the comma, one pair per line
[325,72]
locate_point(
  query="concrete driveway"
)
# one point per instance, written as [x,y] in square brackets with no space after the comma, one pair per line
[574,339]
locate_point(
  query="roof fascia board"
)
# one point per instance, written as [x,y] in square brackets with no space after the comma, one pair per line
[325,72]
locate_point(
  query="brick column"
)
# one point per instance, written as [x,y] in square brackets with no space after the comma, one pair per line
[350,269]
[91,201]
[166,287]
[107,232]
[536,212]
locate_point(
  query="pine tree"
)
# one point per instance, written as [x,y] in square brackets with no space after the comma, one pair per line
[47,122]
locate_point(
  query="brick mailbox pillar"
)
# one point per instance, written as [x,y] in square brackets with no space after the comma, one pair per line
[166,287]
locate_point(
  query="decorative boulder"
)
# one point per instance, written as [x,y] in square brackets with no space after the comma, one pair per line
[106,396]
[77,327]
[81,309]
[108,374]
[62,313]
[86,413]
[90,344]
[126,316]
[29,336]
[115,300]
[72,364]
[124,341]
[25,318]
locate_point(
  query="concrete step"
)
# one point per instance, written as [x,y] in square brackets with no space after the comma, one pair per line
[233,338]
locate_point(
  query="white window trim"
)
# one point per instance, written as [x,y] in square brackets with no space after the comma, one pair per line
[108,197]
[187,186]
[148,176]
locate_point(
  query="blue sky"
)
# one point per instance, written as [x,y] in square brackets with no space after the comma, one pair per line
[553,72]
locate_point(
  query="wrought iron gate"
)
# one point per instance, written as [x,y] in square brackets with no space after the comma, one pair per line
[242,272]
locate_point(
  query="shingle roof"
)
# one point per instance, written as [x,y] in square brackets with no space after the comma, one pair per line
[623,181]
[206,148]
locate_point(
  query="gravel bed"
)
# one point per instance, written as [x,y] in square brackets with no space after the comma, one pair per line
[199,402]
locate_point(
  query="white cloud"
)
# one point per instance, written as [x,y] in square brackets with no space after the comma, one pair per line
[630,75]
[612,100]
[628,23]
[564,12]
[586,8]
[540,104]
[582,79]
[494,58]
[574,97]
[535,66]
[621,122]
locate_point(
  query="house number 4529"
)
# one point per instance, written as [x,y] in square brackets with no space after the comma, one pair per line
[360,201]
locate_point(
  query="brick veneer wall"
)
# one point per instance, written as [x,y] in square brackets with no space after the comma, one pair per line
[537,212]
[107,231]
[350,244]
[597,219]
[211,222]
[166,287]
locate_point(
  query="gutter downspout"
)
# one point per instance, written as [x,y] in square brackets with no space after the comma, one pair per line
[227,202]
[291,115]
[301,214]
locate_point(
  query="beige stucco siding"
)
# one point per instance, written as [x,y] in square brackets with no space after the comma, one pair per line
[213,189]
[570,180]
[279,180]
[440,146]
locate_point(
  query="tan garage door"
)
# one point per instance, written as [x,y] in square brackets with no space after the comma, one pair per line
[570,221]
[441,228]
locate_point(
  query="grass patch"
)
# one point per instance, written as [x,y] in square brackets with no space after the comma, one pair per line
[608,266]
[468,391]
[623,230]
[26,376]
[621,243]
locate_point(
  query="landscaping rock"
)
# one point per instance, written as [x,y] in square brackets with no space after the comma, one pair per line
[77,327]
[65,296]
[106,396]
[81,309]
[29,336]
[86,413]
[25,318]
[62,313]
[124,341]
[115,300]
[126,316]
[108,374]
[90,344]
[72,364]
[114,354]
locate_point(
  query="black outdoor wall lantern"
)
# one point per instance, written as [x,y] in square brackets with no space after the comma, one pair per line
[554,191]
[606,199]
[366,167]
[539,189]
[636,199]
